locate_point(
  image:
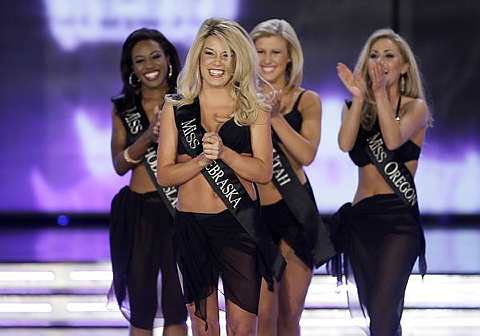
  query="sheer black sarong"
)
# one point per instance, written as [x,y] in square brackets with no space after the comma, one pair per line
[210,246]
[380,239]
[145,277]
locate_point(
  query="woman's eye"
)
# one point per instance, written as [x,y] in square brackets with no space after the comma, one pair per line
[138,61]
[373,56]
[390,55]
[156,56]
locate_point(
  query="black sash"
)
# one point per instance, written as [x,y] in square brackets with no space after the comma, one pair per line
[395,173]
[223,181]
[135,121]
[398,177]
[303,207]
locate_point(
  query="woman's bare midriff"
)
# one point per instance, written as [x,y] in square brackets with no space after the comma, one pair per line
[371,182]
[197,196]
[269,194]
[140,181]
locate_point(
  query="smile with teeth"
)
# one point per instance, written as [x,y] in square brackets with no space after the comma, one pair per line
[152,75]
[268,69]
[216,72]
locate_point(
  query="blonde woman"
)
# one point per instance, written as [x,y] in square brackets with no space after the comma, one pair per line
[288,205]
[214,143]
[383,129]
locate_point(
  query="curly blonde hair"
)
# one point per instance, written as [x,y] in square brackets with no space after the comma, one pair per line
[244,81]
[278,27]
[413,79]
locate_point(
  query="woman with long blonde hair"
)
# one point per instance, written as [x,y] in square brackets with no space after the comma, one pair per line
[288,205]
[383,130]
[214,144]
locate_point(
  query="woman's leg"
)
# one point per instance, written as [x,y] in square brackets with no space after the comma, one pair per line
[292,292]
[268,310]
[397,256]
[140,332]
[240,322]
[173,306]
[199,328]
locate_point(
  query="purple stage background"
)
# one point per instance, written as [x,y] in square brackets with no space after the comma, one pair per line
[60,66]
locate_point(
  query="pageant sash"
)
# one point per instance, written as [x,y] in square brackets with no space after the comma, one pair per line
[302,206]
[136,122]
[395,173]
[222,178]
[399,178]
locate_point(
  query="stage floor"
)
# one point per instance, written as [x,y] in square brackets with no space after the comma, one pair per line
[53,282]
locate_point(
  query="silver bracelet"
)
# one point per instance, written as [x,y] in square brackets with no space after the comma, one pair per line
[127,157]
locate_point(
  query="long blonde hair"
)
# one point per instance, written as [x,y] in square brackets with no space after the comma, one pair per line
[244,85]
[413,79]
[278,27]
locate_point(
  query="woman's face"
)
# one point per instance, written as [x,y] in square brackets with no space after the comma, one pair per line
[386,52]
[150,63]
[274,59]
[216,63]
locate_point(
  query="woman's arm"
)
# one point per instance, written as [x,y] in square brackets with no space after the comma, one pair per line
[351,117]
[302,146]
[255,168]
[169,172]
[135,151]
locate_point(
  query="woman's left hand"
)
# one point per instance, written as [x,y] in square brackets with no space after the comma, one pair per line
[212,146]
[377,77]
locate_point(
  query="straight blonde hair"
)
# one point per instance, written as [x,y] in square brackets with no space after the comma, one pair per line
[278,27]
[413,79]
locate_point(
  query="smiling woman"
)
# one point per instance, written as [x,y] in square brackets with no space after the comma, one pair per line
[383,129]
[215,142]
[141,226]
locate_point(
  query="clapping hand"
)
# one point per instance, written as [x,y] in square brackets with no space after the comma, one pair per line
[352,81]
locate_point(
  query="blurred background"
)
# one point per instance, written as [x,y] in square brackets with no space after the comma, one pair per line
[61,66]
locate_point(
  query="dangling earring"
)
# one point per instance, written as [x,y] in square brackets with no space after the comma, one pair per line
[170,71]
[402,84]
[131,80]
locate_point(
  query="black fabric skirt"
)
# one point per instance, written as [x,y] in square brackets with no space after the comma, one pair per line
[145,278]
[210,246]
[283,225]
[380,239]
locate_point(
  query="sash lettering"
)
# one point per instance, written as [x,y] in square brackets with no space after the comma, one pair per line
[135,120]
[228,189]
[188,132]
[279,172]
[302,206]
[395,174]
[225,183]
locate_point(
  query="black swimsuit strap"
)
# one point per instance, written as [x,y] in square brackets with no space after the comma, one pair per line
[397,110]
[297,102]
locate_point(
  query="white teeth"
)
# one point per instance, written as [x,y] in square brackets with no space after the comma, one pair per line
[268,69]
[152,75]
[216,73]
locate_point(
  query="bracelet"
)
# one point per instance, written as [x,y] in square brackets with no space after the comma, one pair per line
[127,157]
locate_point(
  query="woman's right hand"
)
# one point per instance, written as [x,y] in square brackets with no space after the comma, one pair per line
[353,82]
[154,128]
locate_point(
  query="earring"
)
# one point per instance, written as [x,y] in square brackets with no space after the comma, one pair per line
[402,83]
[133,80]
[170,71]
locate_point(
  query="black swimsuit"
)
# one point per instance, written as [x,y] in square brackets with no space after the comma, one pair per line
[233,136]
[280,221]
